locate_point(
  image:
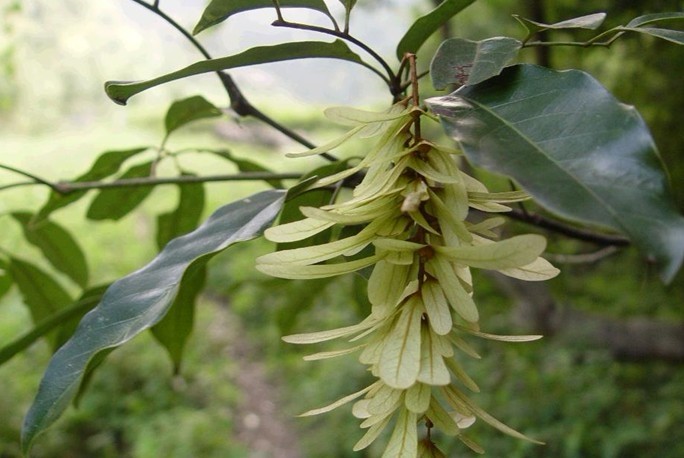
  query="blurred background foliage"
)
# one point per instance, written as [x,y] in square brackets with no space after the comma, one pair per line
[577,396]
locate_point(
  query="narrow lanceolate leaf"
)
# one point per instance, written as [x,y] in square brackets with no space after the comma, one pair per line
[57,245]
[121,91]
[463,62]
[174,330]
[513,252]
[576,149]
[139,301]
[185,217]
[42,294]
[400,359]
[590,21]
[219,10]
[404,440]
[106,165]
[426,25]
[115,203]
[182,112]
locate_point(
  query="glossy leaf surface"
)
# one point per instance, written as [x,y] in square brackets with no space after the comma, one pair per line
[219,10]
[107,164]
[580,152]
[140,300]
[463,62]
[182,112]
[426,25]
[57,245]
[115,203]
[120,91]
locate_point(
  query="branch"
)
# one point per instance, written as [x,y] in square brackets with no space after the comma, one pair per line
[69,187]
[393,81]
[565,229]
[637,339]
[34,179]
[238,102]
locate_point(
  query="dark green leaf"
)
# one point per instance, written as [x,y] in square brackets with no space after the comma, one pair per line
[590,21]
[425,26]
[651,18]
[106,165]
[580,152]
[5,278]
[42,294]
[121,91]
[57,245]
[182,112]
[673,36]
[115,203]
[245,165]
[219,10]
[140,300]
[185,217]
[67,317]
[464,62]
[174,329]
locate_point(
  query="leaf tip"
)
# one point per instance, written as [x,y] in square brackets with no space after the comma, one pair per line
[114,92]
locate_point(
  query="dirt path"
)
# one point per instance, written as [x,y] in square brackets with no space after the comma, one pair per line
[259,422]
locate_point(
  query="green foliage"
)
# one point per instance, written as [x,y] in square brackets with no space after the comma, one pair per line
[404,212]
[141,300]
[569,158]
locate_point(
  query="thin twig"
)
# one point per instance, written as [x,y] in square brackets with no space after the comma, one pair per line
[36,179]
[69,187]
[238,102]
[393,82]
